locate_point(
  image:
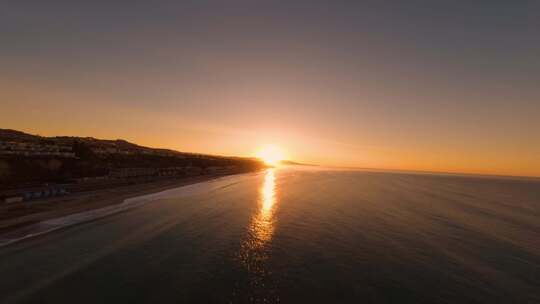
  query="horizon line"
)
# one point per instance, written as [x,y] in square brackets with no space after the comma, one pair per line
[306,164]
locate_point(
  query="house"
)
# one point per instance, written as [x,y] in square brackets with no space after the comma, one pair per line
[13,199]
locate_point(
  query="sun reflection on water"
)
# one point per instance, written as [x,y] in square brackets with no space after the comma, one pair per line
[255,252]
[262,226]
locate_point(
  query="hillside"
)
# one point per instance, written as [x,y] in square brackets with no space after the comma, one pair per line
[27,159]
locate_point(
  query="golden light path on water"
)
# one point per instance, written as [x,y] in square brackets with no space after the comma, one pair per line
[260,230]
[262,226]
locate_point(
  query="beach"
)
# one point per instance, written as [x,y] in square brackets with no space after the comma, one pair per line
[15,217]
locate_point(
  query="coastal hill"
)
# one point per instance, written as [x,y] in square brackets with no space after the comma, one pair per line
[293,163]
[29,160]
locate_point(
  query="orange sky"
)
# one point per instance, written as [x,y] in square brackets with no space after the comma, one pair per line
[437,88]
[302,140]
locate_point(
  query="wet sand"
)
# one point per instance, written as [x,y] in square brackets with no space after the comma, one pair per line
[18,216]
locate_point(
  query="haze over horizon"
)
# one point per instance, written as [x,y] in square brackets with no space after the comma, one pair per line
[446,86]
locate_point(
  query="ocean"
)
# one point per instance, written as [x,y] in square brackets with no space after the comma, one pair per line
[297,235]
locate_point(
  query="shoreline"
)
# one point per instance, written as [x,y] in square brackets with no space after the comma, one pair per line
[61,212]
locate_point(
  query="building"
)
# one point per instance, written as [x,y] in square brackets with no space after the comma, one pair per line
[35,149]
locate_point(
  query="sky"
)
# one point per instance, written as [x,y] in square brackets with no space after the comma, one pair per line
[451,86]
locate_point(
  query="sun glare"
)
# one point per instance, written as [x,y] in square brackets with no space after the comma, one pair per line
[271,155]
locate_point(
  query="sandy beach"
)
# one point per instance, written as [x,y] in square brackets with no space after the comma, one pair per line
[17,216]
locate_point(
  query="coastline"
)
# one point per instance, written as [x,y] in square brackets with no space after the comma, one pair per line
[56,213]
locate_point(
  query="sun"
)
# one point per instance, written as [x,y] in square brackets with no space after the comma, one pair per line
[271,155]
